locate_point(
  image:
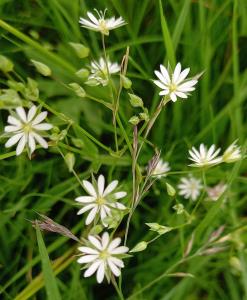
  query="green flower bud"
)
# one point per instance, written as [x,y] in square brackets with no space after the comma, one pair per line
[82,73]
[139,247]
[134,120]
[78,89]
[70,161]
[6,64]
[41,68]
[81,50]
[170,190]
[135,101]
[126,82]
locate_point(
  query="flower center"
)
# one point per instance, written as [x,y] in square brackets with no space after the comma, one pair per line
[27,127]
[104,255]
[103,27]
[100,201]
[172,87]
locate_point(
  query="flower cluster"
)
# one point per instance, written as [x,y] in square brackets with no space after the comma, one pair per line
[208,157]
[102,254]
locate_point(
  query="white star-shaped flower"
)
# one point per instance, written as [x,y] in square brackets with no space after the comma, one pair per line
[26,129]
[161,169]
[175,85]
[102,256]
[190,187]
[216,191]
[99,71]
[204,157]
[101,200]
[232,153]
[101,24]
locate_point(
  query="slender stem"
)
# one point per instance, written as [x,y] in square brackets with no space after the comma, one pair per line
[73,171]
[112,94]
[118,290]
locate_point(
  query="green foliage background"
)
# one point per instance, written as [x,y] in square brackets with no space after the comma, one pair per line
[204,35]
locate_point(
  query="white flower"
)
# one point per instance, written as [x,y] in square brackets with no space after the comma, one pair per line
[26,129]
[161,169]
[215,192]
[175,85]
[101,24]
[101,200]
[204,157]
[190,187]
[232,153]
[99,73]
[103,256]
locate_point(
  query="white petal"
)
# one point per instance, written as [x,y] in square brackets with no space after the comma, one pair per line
[103,215]
[101,184]
[85,199]
[14,139]
[165,74]
[110,187]
[161,77]
[31,142]
[87,258]
[88,24]
[176,73]
[92,18]
[89,188]
[21,113]
[115,270]
[86,208]
[105,240]
[91,270]
[94,241]
[43,126]
[115,243]
[118,205]
[11,128]
[181,95]
[31,113]
[183,75]
[160,84]
[91,215]
[101,272]
[173,97]
[118,262]
[88,250]
[40,117]
[120,250]
[21,145]
[40,140]
[164,92]
[120,195]
[13,121]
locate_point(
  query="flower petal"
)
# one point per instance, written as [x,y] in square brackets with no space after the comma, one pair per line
[43,126]
[21,145]
[91,270]
[101,272]
[21,113]
[101,185]
[31,113]
[86,208]
[39,118]
[115,270]
[87,258]
[89,188]
[91,215]
[88,250]
[110,187]
[94,241]
[13,140]
[85,199]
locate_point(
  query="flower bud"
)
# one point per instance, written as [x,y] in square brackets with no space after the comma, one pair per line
[135,101]
[41,68]
[81,50]
[139,247]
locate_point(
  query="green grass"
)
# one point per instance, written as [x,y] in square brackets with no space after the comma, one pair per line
[209,36]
